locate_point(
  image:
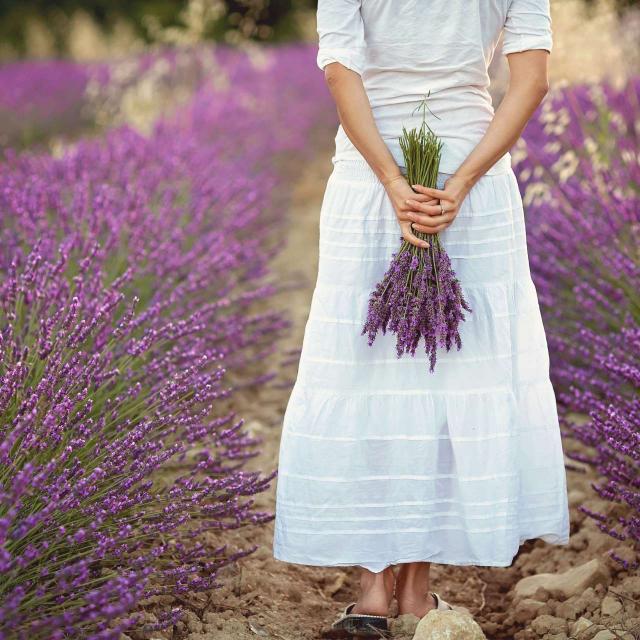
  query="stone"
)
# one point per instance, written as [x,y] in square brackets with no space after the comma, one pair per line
[590,599]
[605,634]
[552,604]
[404,625]
[210,617]
[491,627]
[448,625]
[580,625]
[570,609]
[145,619]
[527,609]
[610,606]
[579,541]
[566,584]
[194,624]
[548,624]
[631,586]
[258,629]
[541,594]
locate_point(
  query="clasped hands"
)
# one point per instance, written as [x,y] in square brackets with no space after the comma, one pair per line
[429,210]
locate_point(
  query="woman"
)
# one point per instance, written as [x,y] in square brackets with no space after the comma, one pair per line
[381,462]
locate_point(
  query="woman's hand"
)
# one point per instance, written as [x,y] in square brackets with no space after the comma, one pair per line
[429,217]
[400,194]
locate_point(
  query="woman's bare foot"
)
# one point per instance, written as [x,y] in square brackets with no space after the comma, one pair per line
[376,592]
[412,589]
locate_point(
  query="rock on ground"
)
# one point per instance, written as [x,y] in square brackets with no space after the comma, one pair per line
[448,625]
[567,584]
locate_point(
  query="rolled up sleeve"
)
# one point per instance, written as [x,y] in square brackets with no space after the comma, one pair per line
[527,26]
[341,34]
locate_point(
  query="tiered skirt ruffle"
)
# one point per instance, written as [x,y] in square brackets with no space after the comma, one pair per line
[383,462]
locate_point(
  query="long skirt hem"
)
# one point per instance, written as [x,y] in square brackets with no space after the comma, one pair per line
[284,555]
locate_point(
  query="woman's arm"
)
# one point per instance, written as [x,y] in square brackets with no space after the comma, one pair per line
[354,112]
[527,42]
[356,117]
[527,87]
[342,56]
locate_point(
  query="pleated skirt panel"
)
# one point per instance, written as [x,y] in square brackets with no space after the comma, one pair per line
[382,462]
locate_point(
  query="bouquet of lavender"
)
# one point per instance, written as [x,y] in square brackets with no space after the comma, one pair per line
[419,295]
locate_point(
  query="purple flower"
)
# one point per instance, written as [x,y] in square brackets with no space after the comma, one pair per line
[134,273]
[580,177]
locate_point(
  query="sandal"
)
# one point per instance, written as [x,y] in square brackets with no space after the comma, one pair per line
[440,603]
[359,625]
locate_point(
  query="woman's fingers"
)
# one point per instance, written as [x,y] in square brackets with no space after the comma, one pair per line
[420,197]
[430,191]
[431,209]
[407,212]
[409,236]
[426,213]
[430,220]
[422,219]
[439,227]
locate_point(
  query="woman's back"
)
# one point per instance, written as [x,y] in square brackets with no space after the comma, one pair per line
[384,461]
[404,49]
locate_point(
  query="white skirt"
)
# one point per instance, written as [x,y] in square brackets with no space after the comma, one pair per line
[382,462]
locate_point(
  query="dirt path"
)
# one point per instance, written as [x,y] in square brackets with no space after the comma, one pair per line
[266,598]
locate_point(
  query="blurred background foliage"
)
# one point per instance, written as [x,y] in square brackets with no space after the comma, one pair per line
[132,41]
[94,29]
[38,27]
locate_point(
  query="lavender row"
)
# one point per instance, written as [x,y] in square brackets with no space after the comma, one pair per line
[132,272]
[579,170]
[41,99]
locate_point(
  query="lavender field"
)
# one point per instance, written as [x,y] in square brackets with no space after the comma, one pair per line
[131,268]
[154,281]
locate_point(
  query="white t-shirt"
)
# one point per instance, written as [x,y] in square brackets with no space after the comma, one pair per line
[404,48]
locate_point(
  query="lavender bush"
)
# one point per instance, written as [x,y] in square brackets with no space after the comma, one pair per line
[129,271]
[40,99]
[580,172]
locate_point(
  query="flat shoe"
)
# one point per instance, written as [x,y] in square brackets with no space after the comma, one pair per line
[359,625]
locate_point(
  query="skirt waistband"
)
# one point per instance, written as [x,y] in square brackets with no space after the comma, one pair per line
[346,151]
[357,168]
